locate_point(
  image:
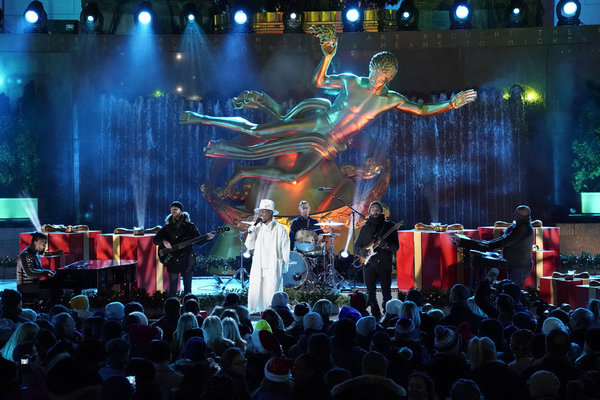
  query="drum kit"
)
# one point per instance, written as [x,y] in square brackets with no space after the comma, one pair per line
[311,263]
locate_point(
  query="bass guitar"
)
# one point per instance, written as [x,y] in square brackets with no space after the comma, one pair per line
[165,255]
[370,249]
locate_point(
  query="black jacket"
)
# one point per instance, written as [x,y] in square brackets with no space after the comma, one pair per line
[370,233]
[300,223]
[516,245]
[29,267]
[174,233]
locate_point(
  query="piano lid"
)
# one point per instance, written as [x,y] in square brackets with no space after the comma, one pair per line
[99,264]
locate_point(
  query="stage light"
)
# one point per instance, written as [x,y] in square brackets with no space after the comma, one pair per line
[144,15]
[35,18]
[352,18]
[91,18]
[246,254]
[240,17]
[460,15]
[189,14]
[516,14]
[242,22]
[407,17]
[293,22]
[567,12]
[344,253]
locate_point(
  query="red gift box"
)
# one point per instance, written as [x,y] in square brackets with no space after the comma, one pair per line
[151,274]
[544,264]
[560,290]
[70,243]
[429,259]
[585,293]
[53,262]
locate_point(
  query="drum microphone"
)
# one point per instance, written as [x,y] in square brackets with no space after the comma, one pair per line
[324,189]
[297,277]
[258,221]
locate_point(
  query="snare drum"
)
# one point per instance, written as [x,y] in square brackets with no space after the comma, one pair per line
[305,240]
[297,271]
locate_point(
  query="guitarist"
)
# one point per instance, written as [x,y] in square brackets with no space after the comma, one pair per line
[379,266]
[178,228]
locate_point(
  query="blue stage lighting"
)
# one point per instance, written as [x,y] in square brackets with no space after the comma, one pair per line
[91,18]
[460,15]
[352,18]
[344,253]
[144,15]
[35,18]
[189,15]
[31,17]
[240,17]
[408,16]
[567,12]
[293,22]
[516,14]
[352,15]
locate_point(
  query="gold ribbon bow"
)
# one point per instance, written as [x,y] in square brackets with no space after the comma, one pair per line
[63,228]
[419,226]
[570,277]
[136,231]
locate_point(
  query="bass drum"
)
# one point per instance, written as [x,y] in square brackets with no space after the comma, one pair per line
[297,271]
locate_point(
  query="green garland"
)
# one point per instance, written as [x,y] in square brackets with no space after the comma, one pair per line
[584,262]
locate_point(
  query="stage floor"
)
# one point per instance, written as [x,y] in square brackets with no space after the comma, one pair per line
[211,285]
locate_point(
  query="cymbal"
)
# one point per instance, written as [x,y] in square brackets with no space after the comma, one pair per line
[330,234]
[247,222]
[330,223]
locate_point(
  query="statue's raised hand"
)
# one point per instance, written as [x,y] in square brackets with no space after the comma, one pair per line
[327,38]
[189,117]
[463,98]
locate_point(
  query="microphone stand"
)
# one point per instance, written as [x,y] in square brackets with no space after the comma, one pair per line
[354,214]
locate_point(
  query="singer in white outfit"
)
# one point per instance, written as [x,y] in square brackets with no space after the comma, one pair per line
[271,244]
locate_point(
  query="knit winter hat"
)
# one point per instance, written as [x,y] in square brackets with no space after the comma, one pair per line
[280,299]
[30,314]
[177,204]
[195,349]
[80,302]
[366,326]
[552,323]
[446,340]
[405,327]
[436,313]
[381,342]
[114,310]
[350,313]
[523,320]
[265,342]
[416,296]
[393,306]
[141,317]
[141,334]
[543,384]
[263,324]
[301,309]
[313,321]
[277,369]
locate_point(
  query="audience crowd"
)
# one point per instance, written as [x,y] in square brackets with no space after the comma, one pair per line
[488,345]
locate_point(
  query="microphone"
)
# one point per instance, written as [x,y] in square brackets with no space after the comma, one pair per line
[297,277]
[325,189]
[258,221]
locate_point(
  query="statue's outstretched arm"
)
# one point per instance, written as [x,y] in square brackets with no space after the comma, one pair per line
[253,99]
[457,101]
[329,42]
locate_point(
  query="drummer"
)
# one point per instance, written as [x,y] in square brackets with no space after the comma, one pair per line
[304,222]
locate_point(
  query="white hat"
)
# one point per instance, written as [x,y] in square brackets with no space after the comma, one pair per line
[266,204]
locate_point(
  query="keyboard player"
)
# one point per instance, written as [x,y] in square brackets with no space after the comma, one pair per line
[30,272]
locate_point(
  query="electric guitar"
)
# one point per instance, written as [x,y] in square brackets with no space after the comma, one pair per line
[165,255]
[370,249]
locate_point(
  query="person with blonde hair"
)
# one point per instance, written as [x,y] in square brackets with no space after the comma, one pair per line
[213,335]
[186,322]
[25,332]
[231,331]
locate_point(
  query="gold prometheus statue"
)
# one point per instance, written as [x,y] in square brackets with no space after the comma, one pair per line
[316,130]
